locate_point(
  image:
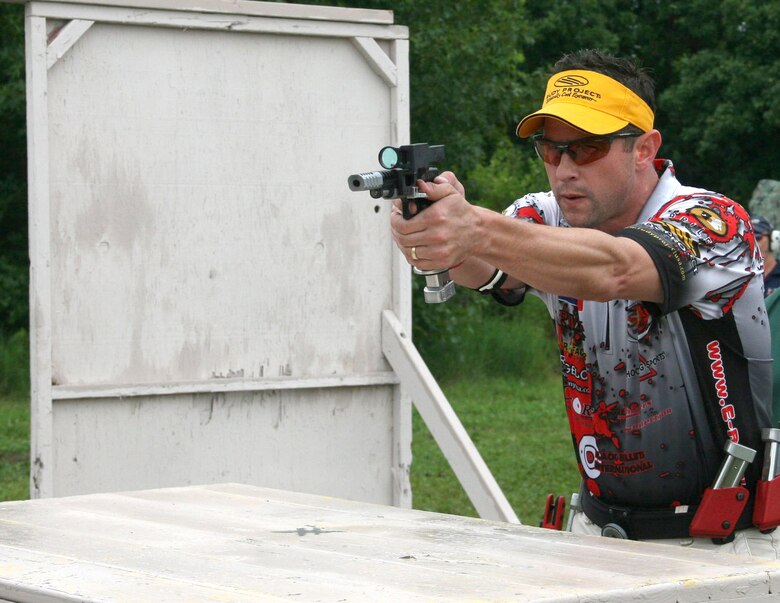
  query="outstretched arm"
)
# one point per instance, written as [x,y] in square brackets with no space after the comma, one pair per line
[579,262]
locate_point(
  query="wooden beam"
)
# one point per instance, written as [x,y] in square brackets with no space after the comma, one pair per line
[444,425]
[247,7]
[65,38]
[160,17]
[379,61]
[79,392]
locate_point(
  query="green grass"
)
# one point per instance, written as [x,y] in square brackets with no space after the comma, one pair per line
[14,447]
[520,430]
[14,417]
[499,369]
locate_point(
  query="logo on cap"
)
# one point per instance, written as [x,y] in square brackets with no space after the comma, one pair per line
[571,80]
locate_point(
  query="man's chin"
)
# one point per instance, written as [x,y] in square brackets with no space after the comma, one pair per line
[578,219]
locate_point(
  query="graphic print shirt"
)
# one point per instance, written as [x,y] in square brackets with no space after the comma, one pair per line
[653,391]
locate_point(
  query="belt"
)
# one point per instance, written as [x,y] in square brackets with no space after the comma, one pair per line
[647,523]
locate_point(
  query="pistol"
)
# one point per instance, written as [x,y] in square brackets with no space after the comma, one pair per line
[404,166]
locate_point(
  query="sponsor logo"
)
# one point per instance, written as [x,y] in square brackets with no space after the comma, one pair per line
[683,236]
[571,80]
[576,405]
[572,86]
[727,411]
[578,372]
[595,462]
[623,463]
[652,419]
[645,369]
[589,452]
[720,219]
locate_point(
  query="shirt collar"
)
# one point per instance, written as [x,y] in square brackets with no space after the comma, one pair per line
[667,188]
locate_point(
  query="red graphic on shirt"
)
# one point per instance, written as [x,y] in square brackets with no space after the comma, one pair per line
[589,423]
[601,423]
[719,230]
[719,217]
[639,321]
[728,294]
[528,212]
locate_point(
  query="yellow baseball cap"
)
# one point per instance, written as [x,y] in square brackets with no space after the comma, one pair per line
[590,101]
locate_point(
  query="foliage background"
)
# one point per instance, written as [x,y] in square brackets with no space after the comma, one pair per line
[477,67]
[13,171]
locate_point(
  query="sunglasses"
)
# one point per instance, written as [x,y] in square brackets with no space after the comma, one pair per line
[582,151]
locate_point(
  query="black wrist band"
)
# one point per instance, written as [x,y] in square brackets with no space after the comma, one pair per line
[494,282]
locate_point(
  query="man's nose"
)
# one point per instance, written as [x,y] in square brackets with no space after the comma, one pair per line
[566,169]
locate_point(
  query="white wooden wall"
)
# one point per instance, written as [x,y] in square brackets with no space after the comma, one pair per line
[206,292]
[209,301]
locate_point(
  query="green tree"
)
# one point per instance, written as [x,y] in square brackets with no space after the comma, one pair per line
[466,71]
[715,66]
[723,103]
[478,67]
[13,172]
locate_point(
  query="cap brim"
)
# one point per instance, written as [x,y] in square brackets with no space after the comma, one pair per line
[583,118]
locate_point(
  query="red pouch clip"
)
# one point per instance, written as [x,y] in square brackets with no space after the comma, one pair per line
[553,512]
[722,504]
[766,512]
[719,512]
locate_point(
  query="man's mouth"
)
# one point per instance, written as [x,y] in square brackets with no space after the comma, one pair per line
[571,197]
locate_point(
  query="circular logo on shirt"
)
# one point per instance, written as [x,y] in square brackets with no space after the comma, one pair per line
[576,405]
[589,450]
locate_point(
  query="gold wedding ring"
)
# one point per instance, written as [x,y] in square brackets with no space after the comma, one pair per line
[414,254]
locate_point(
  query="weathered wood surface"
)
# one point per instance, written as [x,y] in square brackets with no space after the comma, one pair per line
[206,291]
[234,542]
[284,10]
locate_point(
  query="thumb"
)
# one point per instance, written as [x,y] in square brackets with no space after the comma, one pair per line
[437,189]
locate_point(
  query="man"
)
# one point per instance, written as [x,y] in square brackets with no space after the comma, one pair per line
[653,288]
[763,230]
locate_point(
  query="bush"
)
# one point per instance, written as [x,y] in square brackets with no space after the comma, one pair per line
[475,336]
[14,365]
[471,333]
[513,171]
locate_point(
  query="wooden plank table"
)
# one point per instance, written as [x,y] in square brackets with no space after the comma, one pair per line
[233,542]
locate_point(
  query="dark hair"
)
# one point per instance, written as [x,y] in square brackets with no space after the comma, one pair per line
[623,70]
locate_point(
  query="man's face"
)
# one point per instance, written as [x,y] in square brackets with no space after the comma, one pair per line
[601,194]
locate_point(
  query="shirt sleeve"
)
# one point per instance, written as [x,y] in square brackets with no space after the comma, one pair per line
[705,252]
[538,208]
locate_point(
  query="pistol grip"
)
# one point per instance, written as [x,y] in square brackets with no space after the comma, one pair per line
[419,204]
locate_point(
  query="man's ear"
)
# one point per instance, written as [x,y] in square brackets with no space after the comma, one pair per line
[647,147]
